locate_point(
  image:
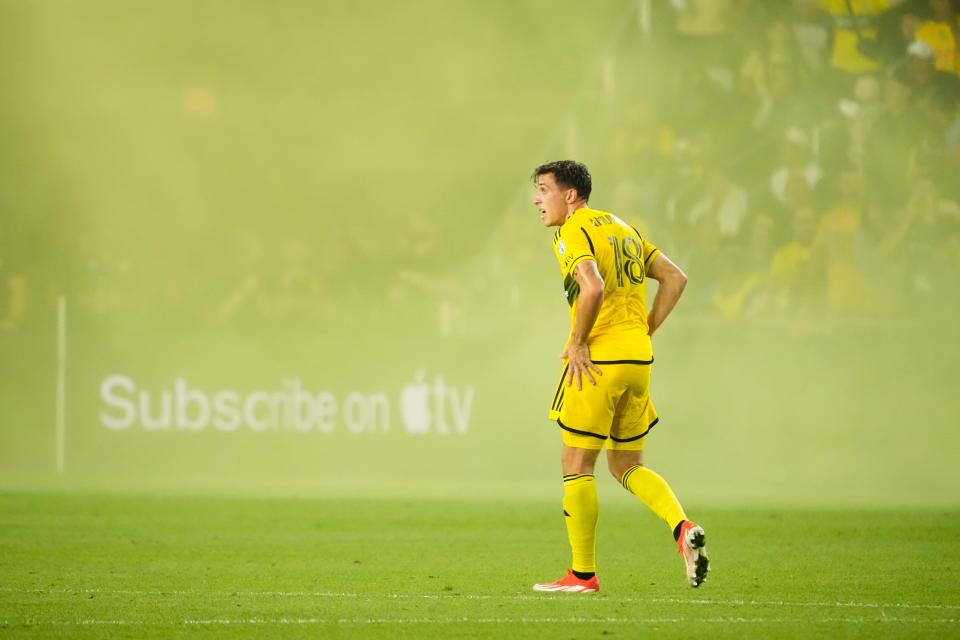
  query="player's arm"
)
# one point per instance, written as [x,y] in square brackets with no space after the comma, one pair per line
[672,282]
[589,301]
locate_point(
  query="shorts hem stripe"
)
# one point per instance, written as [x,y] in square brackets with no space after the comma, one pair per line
[650,361]
[652,425]
[578,432]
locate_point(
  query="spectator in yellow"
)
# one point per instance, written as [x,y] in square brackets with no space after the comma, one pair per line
[795,275]
[743,277]
[838,236]
[855,21]
[942,33]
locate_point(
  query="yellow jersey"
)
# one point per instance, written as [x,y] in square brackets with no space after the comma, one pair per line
[939,36]
[622,256]
[852,20]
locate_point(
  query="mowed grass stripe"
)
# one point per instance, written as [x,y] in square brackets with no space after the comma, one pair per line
[507,597]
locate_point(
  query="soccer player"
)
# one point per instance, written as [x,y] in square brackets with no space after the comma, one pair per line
[603,396]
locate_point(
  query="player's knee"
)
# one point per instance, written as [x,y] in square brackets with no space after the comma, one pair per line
[617,471]
[577,460]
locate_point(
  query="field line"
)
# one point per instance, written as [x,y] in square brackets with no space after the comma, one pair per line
[819,605]
[517,596]
[459,620]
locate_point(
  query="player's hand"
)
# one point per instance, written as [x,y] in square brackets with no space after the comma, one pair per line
[578,358]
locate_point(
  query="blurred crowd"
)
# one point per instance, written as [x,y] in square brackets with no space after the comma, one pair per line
[805,154]
[792,155]
[250,276]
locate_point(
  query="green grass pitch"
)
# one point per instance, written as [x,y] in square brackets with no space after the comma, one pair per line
[83,566]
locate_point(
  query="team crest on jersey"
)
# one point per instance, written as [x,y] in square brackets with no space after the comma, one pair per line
[562,248]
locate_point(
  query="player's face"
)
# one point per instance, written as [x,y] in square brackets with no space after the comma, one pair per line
[552,200]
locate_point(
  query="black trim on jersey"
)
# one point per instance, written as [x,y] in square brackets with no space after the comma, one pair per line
[647,261]
[589,241]
[582,433]
[571,288]
[652,425]
[650,361]
[556,236]
[640,237]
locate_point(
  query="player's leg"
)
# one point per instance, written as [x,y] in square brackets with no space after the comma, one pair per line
[579,460]
[584,418]
[634,417]
[580,510]
[655,493]
[652,490]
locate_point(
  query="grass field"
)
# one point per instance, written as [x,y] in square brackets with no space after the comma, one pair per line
[78,566]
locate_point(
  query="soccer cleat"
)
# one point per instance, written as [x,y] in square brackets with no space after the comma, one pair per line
[570,583]
[690,544]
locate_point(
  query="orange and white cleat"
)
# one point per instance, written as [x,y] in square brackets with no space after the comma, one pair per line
[690,544]
[570,583]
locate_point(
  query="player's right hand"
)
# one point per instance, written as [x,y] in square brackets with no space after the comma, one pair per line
[578,359]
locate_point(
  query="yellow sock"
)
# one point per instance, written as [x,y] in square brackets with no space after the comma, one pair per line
[654,492]
[580,511]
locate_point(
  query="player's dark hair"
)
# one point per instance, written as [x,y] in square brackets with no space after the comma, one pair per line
[569,174]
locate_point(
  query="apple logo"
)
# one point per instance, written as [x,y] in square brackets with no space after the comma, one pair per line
[414,405]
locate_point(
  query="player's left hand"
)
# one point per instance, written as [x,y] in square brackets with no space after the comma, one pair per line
[578,358]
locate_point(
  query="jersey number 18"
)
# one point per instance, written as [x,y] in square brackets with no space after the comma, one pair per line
[628,259]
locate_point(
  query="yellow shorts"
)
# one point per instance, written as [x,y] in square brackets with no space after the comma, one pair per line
[617,410]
